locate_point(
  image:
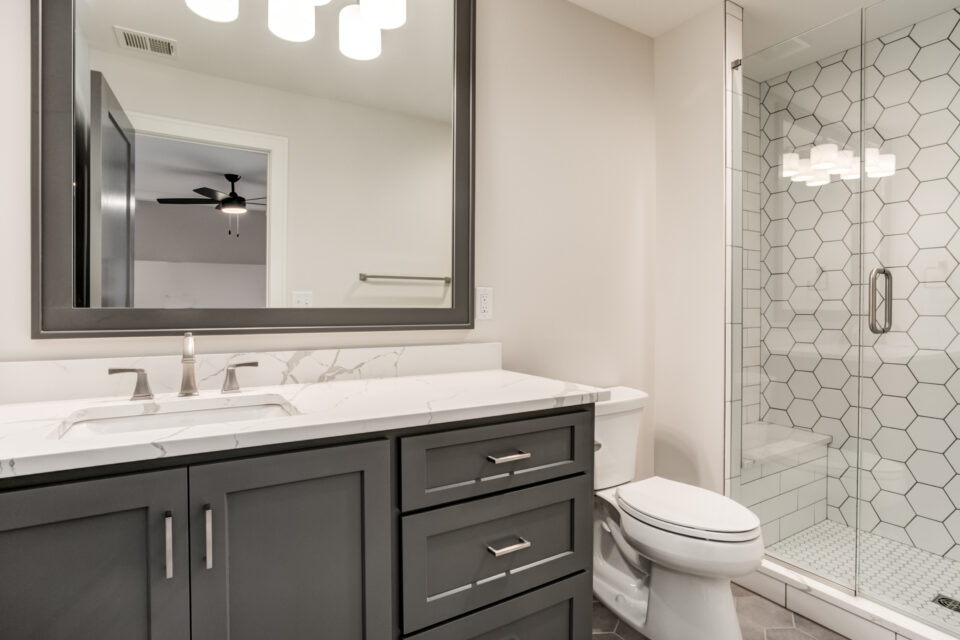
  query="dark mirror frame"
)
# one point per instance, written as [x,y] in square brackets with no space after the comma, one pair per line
[53,190]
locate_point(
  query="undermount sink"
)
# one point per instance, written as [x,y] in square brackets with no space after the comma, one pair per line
[173,413]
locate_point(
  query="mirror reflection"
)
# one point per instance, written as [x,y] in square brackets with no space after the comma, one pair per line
[263,153]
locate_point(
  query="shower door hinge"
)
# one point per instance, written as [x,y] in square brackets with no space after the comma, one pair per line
[736,64]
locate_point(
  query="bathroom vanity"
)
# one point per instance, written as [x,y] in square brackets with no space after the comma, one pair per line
[436,507]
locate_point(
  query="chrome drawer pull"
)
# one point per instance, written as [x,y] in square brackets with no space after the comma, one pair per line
[168,543]
[208,538]
[513,548]
[520,455]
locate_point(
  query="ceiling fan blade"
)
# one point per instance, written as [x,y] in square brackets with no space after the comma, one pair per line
[260,198]
[256,204]
[186,201]
[213,194]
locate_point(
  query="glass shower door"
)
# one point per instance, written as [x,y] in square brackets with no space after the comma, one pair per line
[909,491]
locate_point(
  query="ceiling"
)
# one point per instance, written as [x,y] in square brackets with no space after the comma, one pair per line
[413,75]
[766,22]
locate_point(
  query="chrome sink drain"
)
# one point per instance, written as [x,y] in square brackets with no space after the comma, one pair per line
[947,602]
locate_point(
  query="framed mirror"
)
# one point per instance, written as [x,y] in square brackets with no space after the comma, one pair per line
[228,166]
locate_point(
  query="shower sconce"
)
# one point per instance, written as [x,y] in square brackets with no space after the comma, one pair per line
[828,160]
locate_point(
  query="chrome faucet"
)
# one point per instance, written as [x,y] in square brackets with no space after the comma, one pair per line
[230,382]
[142,390]
[188,383]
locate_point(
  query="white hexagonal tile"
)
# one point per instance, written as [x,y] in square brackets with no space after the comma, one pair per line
[893,476]
[778,395]
[779,260]
[831,403]
[804,131]
[953,491]
[803,413]
[930,468]
[896,218]
[804,356]
[934,94]
[835,106]
[832,374]
[952,523]
[897,88]
[932,298]
[832,256]
[832,79]
[833,428]
[930,434]
[903,315]
[933,265]
[778,205]
[832,226]
[869,394]
[930,502]
[929,535]
[805,300]
[778,342]
[953,456]
[804,385]
[896,56]
[953,384]
[800,192]
[894,413]
[893,508]
[833,285]
[897,188]
[803,77]
[804,244]
[894,444]
[805,216]
[935,162]
[832,343]
[934,196]
[900,120]
[778,233]
[896,347]
[934,29]
[804,328]
[932,332]
[832,314]
[930,129]
[803,103]
[896,251]
[934,230]
[804,272]
[895,380]
[779,287]
[904,148]
[833,196]
[934,60]
[934,367]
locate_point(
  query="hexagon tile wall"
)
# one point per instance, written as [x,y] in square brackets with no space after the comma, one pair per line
[802,265]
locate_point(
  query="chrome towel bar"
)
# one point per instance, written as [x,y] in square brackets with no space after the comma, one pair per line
[369,276]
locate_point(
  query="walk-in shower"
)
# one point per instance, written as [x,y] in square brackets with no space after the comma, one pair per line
[845,313]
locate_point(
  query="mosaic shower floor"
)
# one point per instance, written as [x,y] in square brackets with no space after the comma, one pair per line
[894,573]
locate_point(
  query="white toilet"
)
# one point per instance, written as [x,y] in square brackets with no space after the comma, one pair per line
[663,551]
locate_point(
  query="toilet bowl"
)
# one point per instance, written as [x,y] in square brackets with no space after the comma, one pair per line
[664,551]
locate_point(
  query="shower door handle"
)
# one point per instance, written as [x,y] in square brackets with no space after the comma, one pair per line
[875,327]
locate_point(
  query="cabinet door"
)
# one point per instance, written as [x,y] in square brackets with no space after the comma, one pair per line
[293,546]
[104,559]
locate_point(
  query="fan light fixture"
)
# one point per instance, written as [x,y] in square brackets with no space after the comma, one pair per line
[216,10]
[292,20]
[384,14]
[359,38]
[233,206]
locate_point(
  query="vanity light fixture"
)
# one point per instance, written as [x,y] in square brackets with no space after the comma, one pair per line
[823,157]
[216,10]
[293,20]
[828,160]
[385,14]
[359,38]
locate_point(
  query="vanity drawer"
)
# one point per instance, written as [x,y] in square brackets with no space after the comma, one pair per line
[466,556]
[465,463]
[561,611]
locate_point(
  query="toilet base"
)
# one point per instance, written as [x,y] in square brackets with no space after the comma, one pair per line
[684,606]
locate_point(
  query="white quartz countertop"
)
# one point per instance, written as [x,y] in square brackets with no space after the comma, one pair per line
[37,437]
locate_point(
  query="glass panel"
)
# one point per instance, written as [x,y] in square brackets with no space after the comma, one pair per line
[909,523]
[800,308]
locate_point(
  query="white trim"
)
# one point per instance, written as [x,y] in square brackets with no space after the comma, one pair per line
[854,616]
[277,170]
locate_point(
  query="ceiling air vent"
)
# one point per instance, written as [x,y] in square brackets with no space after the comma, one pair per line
[145,42]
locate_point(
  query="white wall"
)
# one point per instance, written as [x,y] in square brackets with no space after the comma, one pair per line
[565,197]
[689,352]
[218,285]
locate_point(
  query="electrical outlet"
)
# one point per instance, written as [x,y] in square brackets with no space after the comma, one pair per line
[303,298]
[484,303]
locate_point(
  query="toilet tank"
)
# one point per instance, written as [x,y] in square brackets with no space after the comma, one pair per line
[617,434]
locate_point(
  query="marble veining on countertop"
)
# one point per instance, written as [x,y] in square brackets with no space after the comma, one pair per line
[37,437]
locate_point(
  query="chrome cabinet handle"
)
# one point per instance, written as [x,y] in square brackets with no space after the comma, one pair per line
[520,455]
[513,548]
[875,326]
[168,543]
[208,536]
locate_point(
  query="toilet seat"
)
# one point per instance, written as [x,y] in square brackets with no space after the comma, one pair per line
[687,510]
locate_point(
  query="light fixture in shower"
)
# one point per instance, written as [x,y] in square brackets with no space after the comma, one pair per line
[293,20]
[216,10]
[828,160]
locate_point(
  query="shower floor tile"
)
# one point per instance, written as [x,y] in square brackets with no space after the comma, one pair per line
[894,573]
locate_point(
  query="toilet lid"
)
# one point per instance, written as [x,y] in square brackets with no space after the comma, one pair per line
[689,510]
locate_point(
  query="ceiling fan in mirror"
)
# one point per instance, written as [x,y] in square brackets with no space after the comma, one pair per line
[231,203]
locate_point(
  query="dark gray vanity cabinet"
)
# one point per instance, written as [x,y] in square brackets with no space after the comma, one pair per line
[104,559]
[295,545]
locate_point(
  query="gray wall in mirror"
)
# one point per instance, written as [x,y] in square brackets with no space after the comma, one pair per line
[350,167]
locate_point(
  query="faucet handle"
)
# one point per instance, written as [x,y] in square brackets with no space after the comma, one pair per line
[230,382]
[142,390]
